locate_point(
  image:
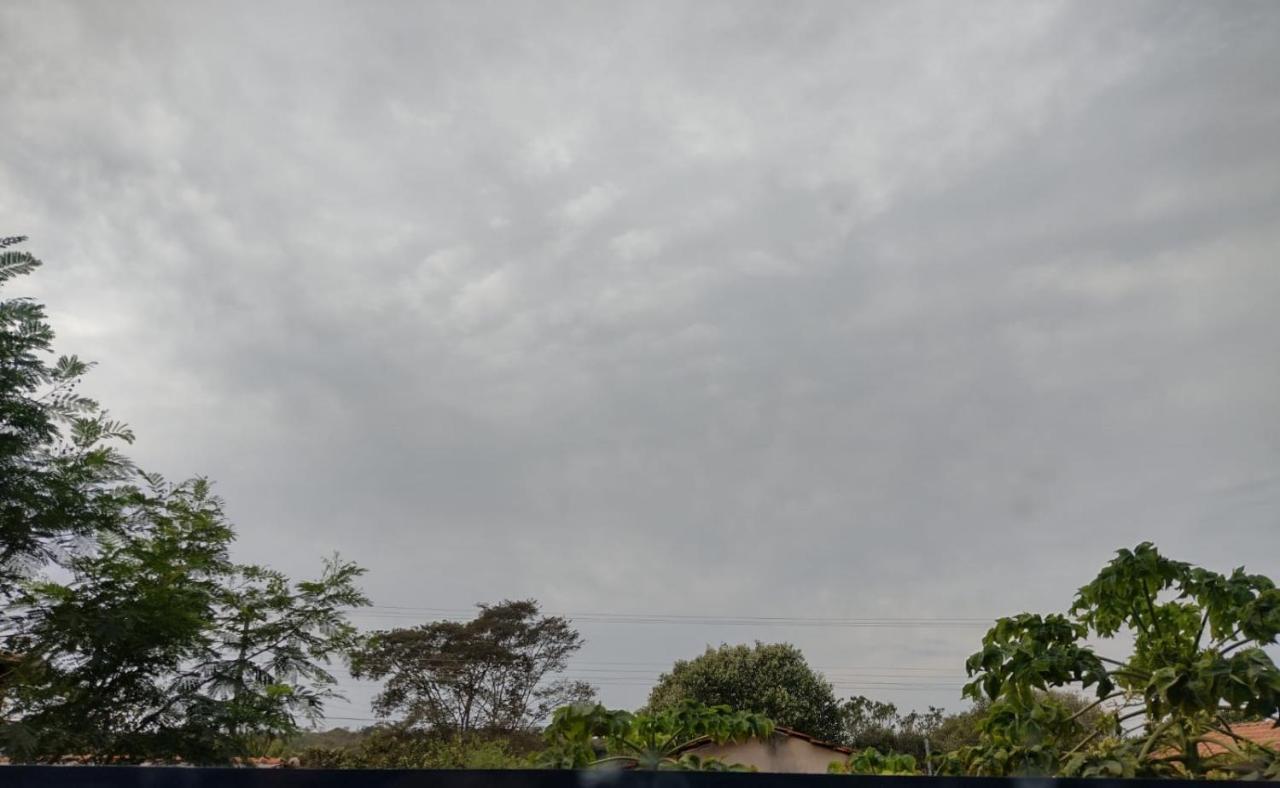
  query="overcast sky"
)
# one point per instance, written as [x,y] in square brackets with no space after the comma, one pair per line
[837,310]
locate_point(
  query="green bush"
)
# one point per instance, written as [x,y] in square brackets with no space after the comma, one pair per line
[871,761]
[392,748]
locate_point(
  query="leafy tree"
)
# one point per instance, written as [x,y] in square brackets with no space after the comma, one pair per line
[1198,661]
[963,729]
[59,468]
[959,729]
[879,726]
[274,642]
[490,673]
[584,735]
[160,647]
[922,735]
[95,652]
[151,642]
[771,679]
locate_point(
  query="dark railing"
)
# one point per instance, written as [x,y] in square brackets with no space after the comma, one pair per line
[162,777]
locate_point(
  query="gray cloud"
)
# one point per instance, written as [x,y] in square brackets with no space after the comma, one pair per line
[898,309]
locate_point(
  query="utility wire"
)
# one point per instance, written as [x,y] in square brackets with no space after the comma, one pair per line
[410,612]
[469,612]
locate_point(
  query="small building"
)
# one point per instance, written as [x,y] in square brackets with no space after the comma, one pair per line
[786,752]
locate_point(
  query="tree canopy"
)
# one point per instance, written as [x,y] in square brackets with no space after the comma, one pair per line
[875,725]
[61,471]
[494,672]
[1198,661]
[148,642]
[772,679]
[159,646]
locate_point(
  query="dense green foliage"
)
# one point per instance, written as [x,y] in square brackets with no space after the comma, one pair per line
[957,730]
[879,726]
[870,761]
[401,748]
[1198,662]
[147,642]
[160,647]
[771,679]
[60,470]
[585,735]
[492,673]
[924,735]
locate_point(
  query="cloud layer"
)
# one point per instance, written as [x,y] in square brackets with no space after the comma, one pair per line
[888,309]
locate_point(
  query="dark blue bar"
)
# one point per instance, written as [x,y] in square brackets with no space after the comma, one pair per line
[165,777]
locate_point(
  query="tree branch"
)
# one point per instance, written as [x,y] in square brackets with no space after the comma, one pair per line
[609,759]
[1085,741]
[1234,646]
[1132,714]
[1093,706]
[1117,662]
[1147,745]
[1155,620]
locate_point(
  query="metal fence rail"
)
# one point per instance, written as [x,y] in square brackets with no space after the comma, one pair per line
[162,777]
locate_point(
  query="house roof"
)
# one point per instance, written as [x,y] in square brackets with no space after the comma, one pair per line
[1263,732]
[813,740]
[778,729]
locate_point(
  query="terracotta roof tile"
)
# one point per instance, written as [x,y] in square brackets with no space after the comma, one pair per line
[813,740]
[793,733]
[1262,732]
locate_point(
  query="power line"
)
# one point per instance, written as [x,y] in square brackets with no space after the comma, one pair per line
[406,612]
[828,674]
[643,682]
[630,673]
[470,612]
[655,668]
